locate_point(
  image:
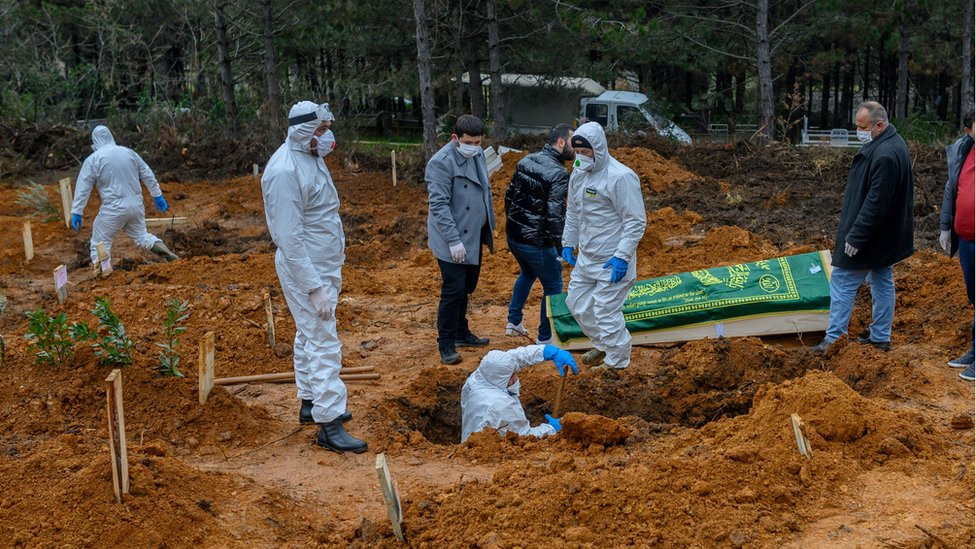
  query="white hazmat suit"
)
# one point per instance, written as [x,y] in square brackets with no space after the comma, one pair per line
[302,210]
[115,171]
[605,218]
[486,401]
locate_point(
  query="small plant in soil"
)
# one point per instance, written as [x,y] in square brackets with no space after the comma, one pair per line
[114,347]
[52,339]
[34,196]
[169,356]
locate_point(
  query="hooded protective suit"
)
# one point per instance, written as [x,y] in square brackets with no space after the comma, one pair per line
[605,218]
[486,402]
[301,206]
[115,171]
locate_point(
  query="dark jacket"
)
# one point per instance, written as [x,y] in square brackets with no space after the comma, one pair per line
[955,156]
[535,202]
[878,213]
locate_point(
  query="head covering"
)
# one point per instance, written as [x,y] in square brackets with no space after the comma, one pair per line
[304,117]
[101,136]
[594,135]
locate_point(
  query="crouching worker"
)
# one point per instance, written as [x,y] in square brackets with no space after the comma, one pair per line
[490,396]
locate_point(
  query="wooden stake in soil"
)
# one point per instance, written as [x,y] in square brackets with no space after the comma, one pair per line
[116,434]
[104,265]
[164,221]
[270,314]
[391,496]
[28,241]
[802,443]
[254,169]
[559,394]
[206,366]
[66,199]
[360,373]
[393,163]
[61,283]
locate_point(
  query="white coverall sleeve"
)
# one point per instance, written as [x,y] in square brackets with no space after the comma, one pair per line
[439,187]
[147,177]
[286,220]
[512,418]
[571,228]
[627,199]
[83,186]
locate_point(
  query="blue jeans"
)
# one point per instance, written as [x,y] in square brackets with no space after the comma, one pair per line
[535,262]
[966,257]
[843,289]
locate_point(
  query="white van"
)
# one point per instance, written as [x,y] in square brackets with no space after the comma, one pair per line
[628,111]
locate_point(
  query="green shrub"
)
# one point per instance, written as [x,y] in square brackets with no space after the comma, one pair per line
[52,339]
[35,196]
[169,356]
[114,347]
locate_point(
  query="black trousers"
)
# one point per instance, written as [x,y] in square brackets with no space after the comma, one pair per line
[457,283]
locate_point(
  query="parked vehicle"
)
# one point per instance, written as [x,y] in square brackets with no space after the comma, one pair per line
[628,112]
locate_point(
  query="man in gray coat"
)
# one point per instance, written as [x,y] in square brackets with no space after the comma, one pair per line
[459,221]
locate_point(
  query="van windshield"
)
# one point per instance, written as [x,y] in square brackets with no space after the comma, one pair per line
[659,120]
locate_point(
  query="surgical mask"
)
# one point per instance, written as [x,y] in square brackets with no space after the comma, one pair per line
[514,388]
[864,136]
[468,151]
[583,163]
[326,143]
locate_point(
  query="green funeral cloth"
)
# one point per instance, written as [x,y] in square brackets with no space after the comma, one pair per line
[793,284]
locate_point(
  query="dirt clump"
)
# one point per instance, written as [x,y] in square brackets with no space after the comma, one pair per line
[591,429]
[656,172]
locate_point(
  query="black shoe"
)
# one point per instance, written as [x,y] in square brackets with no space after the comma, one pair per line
[305,414]
[820,348]
[450,356]
[471,340]
[333,436]
[883,345]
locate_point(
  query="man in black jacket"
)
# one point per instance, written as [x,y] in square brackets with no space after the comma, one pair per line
[535,211]
[877,227]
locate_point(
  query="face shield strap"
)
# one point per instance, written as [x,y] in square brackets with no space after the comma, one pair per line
[303,118]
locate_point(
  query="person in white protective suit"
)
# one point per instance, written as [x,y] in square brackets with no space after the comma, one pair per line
[116,171]
[302,210]
[490,396]
[605,221]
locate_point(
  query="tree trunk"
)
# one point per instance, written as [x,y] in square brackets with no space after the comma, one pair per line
[423,71]
[495,64]
[474,70]
[847,93]
[966,89]
[825,99]
[767,107]
[223,61]
[837,85]
[270,65]
[866,85]
[901,92]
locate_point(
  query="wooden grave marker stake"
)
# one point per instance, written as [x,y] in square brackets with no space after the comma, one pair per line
[104,266]
[393,163]
[802,443]
[28,241]
[206,366]
[116,434]
[153,222]
[391,496]
[254,168]
[270,314]
[61,283]
[66,200]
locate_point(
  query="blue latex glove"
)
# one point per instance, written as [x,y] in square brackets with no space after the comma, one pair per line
[75,221]
[619,269]
[554,421]
[561,358]
[569,257]
[160,203]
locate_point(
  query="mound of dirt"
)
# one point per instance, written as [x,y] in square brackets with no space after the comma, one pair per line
[656,172]
[589,429]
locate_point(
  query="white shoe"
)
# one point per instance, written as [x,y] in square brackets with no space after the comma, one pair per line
[515,330]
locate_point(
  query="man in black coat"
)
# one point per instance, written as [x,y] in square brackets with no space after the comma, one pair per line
[535,211]
[877,227]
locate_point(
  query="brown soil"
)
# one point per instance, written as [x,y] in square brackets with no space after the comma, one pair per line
[690,446]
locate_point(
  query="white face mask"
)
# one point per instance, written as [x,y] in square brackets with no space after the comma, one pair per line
[468,151]
[583,163]
[514,388]
[327,143]
[864,136]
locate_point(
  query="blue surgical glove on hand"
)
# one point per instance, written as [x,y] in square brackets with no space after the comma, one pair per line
[619,269]
[561,358]
[76,221]
[568,256]
[160,203]
[554,421]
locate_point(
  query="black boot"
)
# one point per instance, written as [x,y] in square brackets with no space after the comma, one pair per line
[305,414]
[333,436]
[471,340]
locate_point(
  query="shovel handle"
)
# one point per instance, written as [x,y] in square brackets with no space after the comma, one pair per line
[559,396]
